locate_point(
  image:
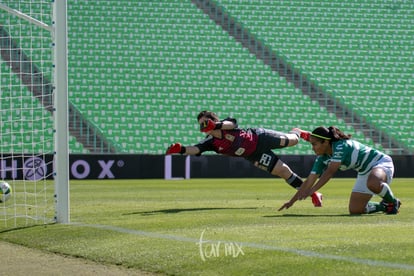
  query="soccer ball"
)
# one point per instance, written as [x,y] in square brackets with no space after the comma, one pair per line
[5,191]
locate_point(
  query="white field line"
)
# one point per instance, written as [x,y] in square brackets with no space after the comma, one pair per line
[255,246]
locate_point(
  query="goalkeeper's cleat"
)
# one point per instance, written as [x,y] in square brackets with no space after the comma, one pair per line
[305,135]
[392,208]
[317,199]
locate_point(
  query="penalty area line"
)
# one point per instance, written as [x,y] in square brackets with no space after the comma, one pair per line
[254,246]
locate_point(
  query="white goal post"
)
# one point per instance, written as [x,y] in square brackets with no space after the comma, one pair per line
[61,111]
[34,147]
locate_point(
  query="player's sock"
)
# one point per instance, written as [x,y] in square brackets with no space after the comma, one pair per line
[295,181]
[374,207]
[386,193]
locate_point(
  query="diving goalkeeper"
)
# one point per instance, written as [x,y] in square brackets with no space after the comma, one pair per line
[254,144]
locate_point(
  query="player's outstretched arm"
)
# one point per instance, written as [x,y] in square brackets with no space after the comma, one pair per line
[177,148]
[289,203]
[304,190]
[191,150]
[330,171]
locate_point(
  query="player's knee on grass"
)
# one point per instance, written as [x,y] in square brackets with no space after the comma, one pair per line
[354,210]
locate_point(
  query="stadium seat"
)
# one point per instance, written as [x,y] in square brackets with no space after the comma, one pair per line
[143,70]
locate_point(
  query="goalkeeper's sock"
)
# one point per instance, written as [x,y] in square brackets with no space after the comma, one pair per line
[374,207]
[386,193]
[295,181]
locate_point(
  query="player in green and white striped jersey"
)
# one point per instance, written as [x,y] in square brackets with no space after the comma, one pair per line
[337,151]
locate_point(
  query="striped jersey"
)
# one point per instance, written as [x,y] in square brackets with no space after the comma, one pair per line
[351,154]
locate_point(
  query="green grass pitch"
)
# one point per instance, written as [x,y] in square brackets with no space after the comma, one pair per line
[228,227]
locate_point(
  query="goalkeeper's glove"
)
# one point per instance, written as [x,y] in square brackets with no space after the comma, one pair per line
[207,125]
[305,135]
[175,148]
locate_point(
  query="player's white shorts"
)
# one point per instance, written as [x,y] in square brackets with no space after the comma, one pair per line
[361,182]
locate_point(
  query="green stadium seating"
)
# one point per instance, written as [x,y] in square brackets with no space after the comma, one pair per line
[351,47]
[176,62]
[141,71]
[32,125]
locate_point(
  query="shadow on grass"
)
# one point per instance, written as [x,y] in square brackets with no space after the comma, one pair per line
[17,228]
[310,215]
[177,210]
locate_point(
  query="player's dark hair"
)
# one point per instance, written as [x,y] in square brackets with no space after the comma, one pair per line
[331,134]
[337,134]
[208,114]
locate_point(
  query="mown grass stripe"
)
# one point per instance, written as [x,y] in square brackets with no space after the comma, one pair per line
[305,253]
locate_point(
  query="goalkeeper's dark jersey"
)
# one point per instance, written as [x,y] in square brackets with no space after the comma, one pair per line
[253,144]
[235,142]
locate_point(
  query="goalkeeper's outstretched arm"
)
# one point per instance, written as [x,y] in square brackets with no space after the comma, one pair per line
[191,150]
[177,148]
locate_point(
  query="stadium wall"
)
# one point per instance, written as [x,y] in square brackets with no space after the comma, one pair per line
[129,166]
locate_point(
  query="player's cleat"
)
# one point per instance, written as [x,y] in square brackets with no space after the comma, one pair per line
[392,208]
[317,199]
[305,135]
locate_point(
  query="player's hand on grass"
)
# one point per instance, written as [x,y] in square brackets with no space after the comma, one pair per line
[175,148]
[287,205]
[207,126]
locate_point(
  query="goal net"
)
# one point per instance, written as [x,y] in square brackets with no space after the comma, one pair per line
[28,112]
